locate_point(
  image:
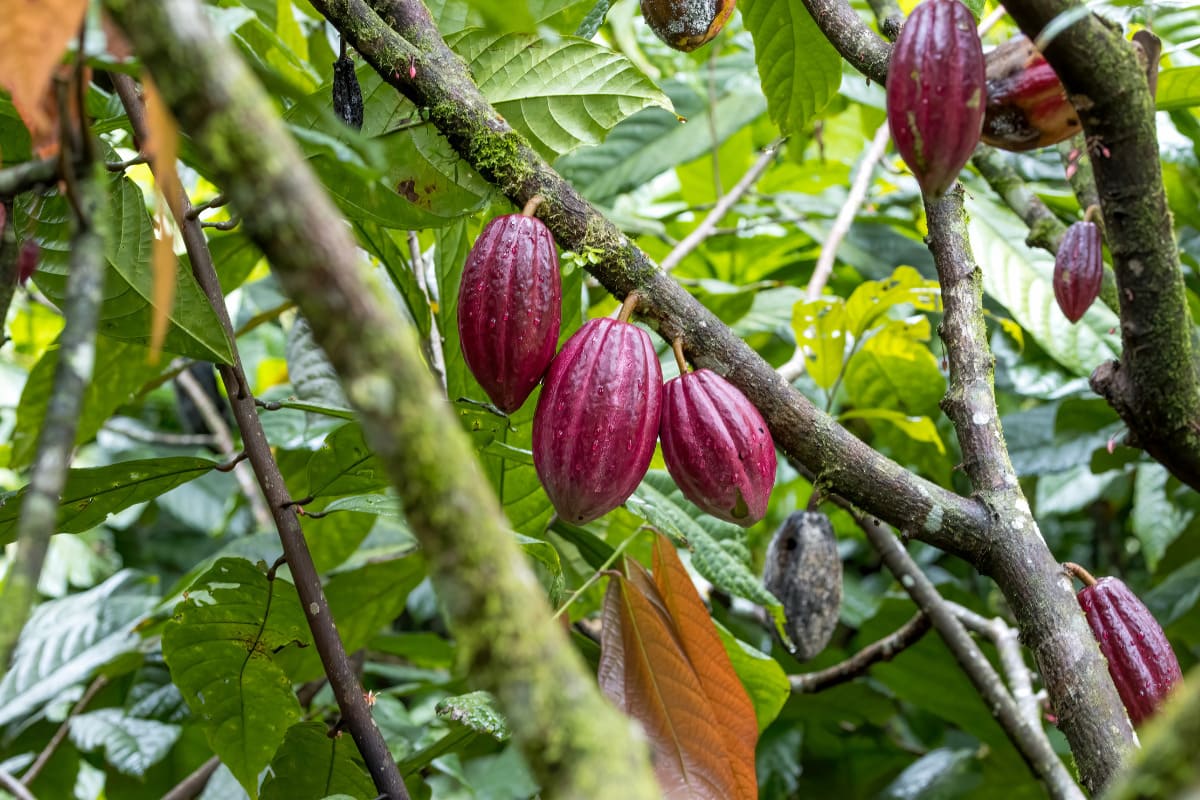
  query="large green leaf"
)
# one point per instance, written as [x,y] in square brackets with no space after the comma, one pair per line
[799,69]
[765,681]
[220,648]
[895,369]
[121,369]
[91,494]
[560,94]
[130,744]
[345,465]
[1178,88]
[192,330]
[1019,278]
[311,764]
[67,640]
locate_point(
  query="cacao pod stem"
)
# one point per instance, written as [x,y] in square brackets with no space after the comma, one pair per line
[628,306]
[531,207]
[1073,569]
[677,346]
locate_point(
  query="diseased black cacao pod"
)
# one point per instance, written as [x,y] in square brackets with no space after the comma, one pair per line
[347,94]
[1140,659]
[804,571]
[686,24]
[597,419]
[935,92]
[1078,269]
[510,307]
[717,447]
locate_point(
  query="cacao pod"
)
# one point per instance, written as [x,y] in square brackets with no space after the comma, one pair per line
[597,419]
[510,307]
[1027,106]
[717,447]
[935,92]
[27,261]
[686,24]
[804,571]
[347,94]
[1078,269]
[1140,659]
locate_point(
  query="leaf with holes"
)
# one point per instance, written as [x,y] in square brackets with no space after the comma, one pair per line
[220,649]
[311,765]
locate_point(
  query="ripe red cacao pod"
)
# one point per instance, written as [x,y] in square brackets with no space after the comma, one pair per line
[935,92]
[510,307]
[717,447]
[597,419]
[1027,106]
[1078,269]
[686,24]
[1140,659]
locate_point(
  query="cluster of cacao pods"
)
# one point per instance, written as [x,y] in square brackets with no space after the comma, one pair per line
[1140,659]
[944,95]
[603,403]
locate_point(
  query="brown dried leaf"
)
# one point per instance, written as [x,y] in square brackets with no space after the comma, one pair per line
[702,645]
[644,671]
[33,38]
[162,147]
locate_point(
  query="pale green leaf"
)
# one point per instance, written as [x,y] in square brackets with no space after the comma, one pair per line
[130,744]
[1178,88]
[1156,519]
[820,328]
[872,299]
[920,429]
[895,369]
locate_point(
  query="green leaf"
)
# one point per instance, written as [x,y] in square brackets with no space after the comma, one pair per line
[719,552]
[799,69]
[121,369]
[66,641]
[873,299]
[940,774]
[894,369]
[309,371]
[1178,88]
[1019,278]
[91,494]
[477,711]
[381,244]
[1156,518]
[130,744]
[192,326]
[546,557]
[310,765]
[560,94]
[920,429]
[765,681]
[451,245]
[820,327]
[219,648]
[345,465]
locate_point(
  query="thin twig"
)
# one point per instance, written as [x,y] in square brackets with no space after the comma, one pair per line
[433,346]
[1008,645]
[194,783]
[44,756]
[884,649]
[347,688]
[216,201]
[727,202]
[15,787]
[27,175]
[38,519]
[126,427]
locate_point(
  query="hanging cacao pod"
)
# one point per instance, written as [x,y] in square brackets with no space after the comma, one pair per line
[347,94]
[510,307]
[804,571]
[935,92]
[686,24]
[1078,269]
[1027,106]
[1140,659]
[717,447]
[27,261]
[597,419]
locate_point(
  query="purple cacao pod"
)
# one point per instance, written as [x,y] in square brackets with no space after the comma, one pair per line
[1078,270]
[717,447]
[27,261]
[686,24]
[597,419]
[1140,659]
[510,307]
[935,92]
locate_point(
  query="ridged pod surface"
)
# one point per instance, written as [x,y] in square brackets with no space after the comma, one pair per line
[686,24]
[510,308]
[803,569]
[1027,106]
[1078,269]
[935,92]
[597,419]
[1140,659]
[717,447]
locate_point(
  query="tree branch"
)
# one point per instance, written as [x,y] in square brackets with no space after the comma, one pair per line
[884,649]
[342,677]
[194,783]
[1028,737]
[484,139]
[1008,645]
[26,176]
[1074,672]
[1154,387]
[72,374]
[39,763]
[577,744]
